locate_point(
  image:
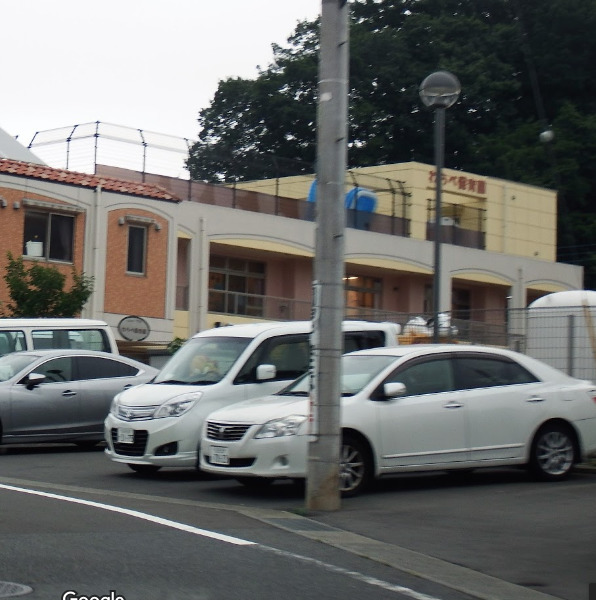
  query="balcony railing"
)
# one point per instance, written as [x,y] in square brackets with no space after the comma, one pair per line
[261,307]
[458,236]
[555,335]
[461,225]
[478,326]
[238,198]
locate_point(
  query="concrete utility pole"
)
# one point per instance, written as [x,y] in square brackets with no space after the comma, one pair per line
[322,489]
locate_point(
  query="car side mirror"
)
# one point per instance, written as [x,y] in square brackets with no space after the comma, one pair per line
[265,372]
[34,379]
[394,389]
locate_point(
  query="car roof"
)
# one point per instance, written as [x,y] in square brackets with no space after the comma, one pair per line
[251,330]
[50,322]
[71,352]
[426,349]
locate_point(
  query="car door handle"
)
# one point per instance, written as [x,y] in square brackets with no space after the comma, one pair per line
[535,399]
[452,404]
[68,393]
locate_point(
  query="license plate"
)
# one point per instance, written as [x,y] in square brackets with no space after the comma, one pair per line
[125,435]
[219,455]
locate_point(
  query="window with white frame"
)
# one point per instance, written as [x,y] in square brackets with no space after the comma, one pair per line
[236,286]
[137,249]
[48,235]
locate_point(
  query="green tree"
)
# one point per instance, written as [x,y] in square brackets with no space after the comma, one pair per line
[524,66]
[38,291]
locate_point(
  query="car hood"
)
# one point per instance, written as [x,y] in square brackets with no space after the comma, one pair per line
[261,410]
[149,394]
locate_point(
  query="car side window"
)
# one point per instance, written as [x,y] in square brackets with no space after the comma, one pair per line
[47,339]
[94,367]
[362,340]
[289,354]
[430,376]
[56,370]
[79,339]
[12,341]
[474,372]
[89,339]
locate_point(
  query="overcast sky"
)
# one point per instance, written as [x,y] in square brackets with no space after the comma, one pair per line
[147,64]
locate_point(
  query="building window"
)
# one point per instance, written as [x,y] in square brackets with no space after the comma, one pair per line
[236,286]
[183,274]
[461,305]
[48,235]
[361,293]
[137,249]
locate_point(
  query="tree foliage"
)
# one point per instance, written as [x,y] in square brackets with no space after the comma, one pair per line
[38,290]
[524,66]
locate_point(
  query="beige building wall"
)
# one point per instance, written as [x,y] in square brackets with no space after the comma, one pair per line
[517,219]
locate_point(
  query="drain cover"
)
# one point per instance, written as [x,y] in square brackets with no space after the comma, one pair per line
[10,590]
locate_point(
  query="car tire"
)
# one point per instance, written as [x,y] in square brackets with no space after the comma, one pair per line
[355,467]
[553,452]
[144,469]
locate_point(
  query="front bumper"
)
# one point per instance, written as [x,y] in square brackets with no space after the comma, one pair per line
[276,458]
[170,442]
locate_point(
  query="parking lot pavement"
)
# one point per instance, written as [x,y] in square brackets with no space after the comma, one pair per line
[491,529]
[462,579]
[491,534]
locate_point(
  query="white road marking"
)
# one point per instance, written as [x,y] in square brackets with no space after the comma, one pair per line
[135,513]
[225,538]
[354,575]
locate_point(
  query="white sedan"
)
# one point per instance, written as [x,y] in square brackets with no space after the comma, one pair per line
[415,408]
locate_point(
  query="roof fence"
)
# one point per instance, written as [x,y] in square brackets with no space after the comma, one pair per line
[83,146]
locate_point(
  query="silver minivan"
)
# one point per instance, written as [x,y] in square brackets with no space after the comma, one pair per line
[159,424]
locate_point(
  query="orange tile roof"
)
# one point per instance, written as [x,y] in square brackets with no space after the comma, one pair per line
[112,184]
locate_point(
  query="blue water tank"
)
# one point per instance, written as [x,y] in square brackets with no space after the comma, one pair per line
[361,199]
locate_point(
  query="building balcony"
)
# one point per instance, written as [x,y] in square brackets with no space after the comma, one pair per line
[458,236]
[461,225]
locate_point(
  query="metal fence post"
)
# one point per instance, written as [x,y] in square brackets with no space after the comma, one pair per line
[570,343]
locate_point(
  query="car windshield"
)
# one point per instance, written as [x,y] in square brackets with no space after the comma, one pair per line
[11,364]
[356,372]
[202,360]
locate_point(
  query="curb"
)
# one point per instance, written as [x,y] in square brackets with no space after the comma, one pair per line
[462,579]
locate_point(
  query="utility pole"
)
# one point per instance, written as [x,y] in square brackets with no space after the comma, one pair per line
[322,488]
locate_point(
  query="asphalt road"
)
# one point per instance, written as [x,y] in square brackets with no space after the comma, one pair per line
[73,520]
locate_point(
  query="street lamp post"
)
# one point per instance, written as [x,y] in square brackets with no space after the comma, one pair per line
[439,91]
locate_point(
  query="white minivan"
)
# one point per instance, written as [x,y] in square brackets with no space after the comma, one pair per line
[55,333]
[158,424]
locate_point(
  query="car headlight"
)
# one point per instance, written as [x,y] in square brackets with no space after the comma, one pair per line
[177,406]
[281,427]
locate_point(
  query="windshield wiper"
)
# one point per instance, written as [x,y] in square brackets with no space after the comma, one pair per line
[291,393]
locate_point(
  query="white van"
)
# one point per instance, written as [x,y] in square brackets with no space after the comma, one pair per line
[158,424]
[51,333]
